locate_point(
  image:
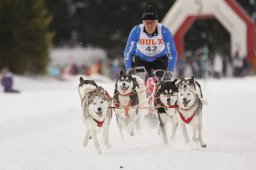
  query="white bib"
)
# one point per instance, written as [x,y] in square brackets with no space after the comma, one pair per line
[151,46]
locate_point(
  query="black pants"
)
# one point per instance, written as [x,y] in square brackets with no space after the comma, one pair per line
[160,63]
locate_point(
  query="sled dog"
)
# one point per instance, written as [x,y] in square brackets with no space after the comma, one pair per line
[190,109]
[166,104]
[129,96]
[95,103]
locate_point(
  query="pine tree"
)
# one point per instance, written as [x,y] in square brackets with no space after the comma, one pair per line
[25,39]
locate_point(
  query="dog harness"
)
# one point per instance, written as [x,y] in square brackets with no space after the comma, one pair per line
[99,123]
[188,119]
[126,108]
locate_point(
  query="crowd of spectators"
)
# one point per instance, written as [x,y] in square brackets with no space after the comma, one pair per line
[216,66]
[110,68]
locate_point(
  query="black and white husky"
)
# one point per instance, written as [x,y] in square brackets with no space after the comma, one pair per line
[166,104]
[190,103]
[130,101]
[95,103]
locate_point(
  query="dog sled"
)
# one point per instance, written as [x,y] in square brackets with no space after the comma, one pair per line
[150,82]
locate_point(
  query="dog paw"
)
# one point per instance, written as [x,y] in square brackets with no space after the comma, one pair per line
[85,144]
[187,140]
[173,137]
[107,145]
[165,141]
[203,145]
[132,133]
[195,140]
[129,130]
[99,151]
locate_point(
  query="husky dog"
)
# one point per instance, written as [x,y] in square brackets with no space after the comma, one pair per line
[127,96]
[190,109]
[166,103]
[96,113]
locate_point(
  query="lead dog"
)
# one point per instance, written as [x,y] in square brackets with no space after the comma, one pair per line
[190,105]
[129,96]
[95,103]
[166,104]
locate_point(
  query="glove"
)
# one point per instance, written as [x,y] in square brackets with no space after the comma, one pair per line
[168,75]
[130,71]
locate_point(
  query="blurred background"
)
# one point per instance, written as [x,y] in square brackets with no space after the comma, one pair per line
[70,37]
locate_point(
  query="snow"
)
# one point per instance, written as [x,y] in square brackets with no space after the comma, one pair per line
[42,128]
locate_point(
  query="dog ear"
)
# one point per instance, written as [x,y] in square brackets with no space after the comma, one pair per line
[121,72]
[100,89]
[159,85]
[135,83]
[174,81]
[192,79]
[179,82]
[176,89]
[81,79]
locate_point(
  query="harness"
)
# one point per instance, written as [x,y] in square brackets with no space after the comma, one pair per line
[126,107]
[188,120]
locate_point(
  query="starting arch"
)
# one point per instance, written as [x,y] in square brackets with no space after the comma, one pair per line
[236,21]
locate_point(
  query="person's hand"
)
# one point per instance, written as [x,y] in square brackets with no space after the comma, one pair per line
[130,71]
[168,75]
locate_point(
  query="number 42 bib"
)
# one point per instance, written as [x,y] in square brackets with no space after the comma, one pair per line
[151,46]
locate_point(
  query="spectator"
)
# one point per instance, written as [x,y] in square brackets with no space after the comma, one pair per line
[7,81]
[115,69]
[188,70]
[237,64]
[217,66]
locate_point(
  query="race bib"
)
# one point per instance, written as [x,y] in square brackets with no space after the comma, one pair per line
[151,46]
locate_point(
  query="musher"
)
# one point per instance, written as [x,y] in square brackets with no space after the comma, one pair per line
[151,45]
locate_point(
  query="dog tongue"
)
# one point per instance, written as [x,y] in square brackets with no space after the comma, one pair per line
[99,114]
[186,103]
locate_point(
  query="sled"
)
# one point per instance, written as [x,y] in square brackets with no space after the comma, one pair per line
[151,81]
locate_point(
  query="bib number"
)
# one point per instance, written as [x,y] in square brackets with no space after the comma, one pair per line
[151,48]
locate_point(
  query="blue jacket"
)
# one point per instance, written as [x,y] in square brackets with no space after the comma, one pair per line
[169,50]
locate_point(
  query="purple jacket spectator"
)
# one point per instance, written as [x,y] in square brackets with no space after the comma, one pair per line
[7,82]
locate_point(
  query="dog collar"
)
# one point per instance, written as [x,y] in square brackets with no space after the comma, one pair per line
[169,106]
[128,94]
[173,106]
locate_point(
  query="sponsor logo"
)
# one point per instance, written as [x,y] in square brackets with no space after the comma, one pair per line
[151,41]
